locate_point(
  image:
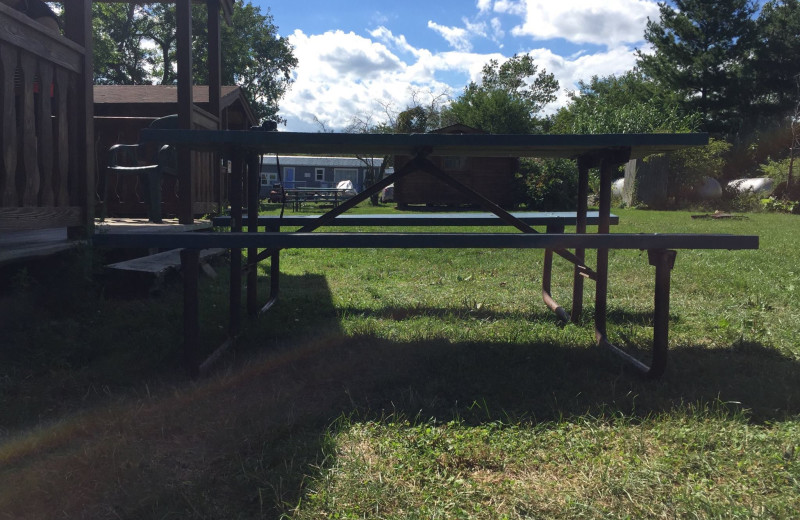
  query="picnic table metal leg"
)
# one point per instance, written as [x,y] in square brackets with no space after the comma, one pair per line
[580,227]
[603,227]
[274,273]
[236,254]
[253,180]
[663,260]
[547,272]
[190,268]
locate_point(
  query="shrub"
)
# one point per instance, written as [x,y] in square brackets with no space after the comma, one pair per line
[781,206]
[739,201]
[690,165]
[778,171]
[549,184]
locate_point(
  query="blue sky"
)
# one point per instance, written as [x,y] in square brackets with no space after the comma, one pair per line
[364,59]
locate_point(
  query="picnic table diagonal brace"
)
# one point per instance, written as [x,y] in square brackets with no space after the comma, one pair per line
[421,162]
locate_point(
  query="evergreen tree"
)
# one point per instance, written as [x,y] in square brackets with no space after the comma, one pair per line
[777,58]
[702,49]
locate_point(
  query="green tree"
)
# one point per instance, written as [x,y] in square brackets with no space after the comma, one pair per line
[701,51]
[254,56]
[689,166]
[120,58]
[412,120]
[629,103]
[507,100]
[162,31]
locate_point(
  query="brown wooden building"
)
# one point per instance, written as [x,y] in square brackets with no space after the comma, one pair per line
[490,176]
[121,111]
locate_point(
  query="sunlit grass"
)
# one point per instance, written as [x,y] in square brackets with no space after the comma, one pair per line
[697,463]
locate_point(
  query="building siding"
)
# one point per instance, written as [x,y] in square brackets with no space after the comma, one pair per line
[305,171]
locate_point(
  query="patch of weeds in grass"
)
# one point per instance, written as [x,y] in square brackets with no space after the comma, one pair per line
[699,461]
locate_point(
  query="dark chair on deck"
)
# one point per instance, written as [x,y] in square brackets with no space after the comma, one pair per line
[150,162]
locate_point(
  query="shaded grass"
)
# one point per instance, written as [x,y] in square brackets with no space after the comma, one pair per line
[414,383]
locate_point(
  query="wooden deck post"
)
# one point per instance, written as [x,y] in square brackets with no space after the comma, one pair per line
[183,15]
[78,28]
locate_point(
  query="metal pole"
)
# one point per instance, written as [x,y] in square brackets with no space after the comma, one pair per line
[253,180]
[663,260]
[580,227]
[190,267]
[236,254]
[604,225]
[547,273]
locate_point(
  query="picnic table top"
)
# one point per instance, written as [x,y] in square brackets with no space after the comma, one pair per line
[478,145]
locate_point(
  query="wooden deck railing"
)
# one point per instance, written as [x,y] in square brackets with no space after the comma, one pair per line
[44,169]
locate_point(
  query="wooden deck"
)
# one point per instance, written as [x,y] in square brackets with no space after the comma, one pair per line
[142,225]
[27,245]
[19,246]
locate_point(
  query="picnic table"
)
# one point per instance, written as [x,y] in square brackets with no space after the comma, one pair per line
[298,196]
[606,152]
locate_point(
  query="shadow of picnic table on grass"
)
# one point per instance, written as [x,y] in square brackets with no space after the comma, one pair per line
[364,378]
[476,382]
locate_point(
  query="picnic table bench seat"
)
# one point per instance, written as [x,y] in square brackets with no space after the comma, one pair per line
[429,240]
[660,246]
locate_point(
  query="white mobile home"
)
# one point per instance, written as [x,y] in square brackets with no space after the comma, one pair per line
[315,172]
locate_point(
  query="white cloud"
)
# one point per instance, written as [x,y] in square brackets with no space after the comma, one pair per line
[457,37]
[610,22]
[570,70]
[497,32]
[398,42]
[341,75]
[510,7]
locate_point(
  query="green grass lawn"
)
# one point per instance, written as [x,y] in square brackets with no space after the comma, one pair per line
[412,384]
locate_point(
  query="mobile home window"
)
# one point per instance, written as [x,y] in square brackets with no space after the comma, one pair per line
[320,174]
